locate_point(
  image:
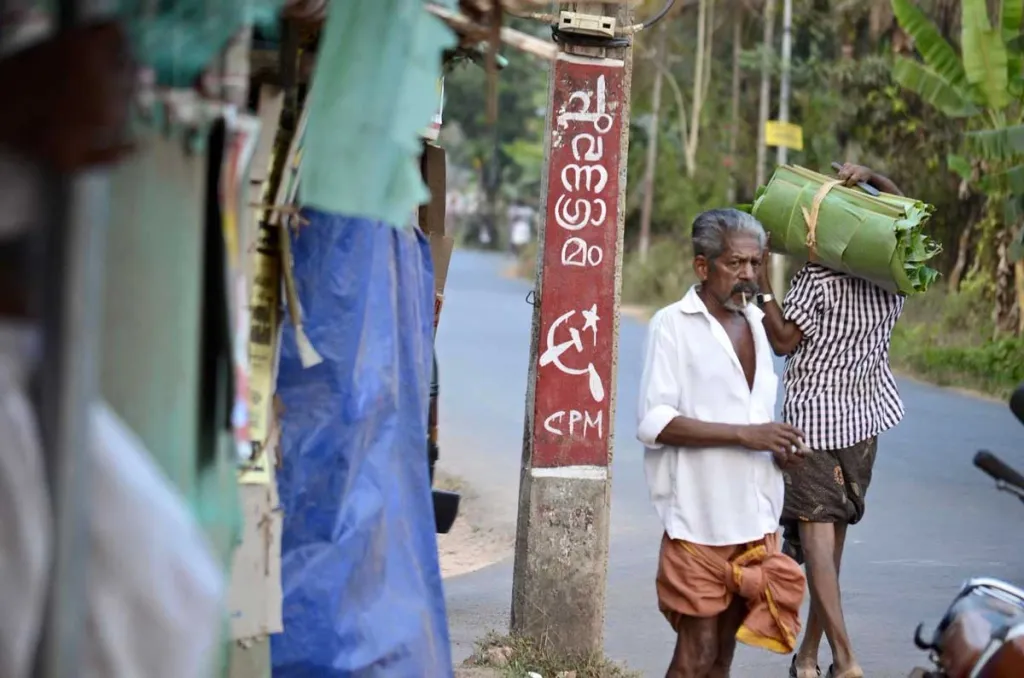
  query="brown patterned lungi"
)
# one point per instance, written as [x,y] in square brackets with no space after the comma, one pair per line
[826,487]
[695,580]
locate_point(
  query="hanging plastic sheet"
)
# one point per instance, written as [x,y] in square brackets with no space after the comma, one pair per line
[374,90]
[360,573]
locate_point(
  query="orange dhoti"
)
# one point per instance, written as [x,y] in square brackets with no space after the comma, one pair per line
[701,581]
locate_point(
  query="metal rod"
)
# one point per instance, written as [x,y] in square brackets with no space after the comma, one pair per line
[75,246]
[72,311]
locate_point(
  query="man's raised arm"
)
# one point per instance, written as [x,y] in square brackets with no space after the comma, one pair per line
[783,335]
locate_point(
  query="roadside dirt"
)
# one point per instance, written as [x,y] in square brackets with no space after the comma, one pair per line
[472,543]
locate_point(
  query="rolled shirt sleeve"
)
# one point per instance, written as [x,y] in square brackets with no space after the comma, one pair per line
[804,303]
[660,390]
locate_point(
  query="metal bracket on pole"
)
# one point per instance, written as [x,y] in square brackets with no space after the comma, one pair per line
[587,24]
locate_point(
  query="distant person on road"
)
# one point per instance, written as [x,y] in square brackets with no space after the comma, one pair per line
[713,458]
[835,330]
[519,217]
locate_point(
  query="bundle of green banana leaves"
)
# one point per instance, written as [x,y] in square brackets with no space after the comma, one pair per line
[881,239]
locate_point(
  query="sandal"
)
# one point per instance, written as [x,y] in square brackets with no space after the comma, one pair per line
[855,672]
[794,673]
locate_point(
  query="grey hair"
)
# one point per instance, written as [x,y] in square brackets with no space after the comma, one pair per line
[711,228]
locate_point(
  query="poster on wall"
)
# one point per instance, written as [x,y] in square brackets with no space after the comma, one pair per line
[242,134]
[433,131]
[272,254]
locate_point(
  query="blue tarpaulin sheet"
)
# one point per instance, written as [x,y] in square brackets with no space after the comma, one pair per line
[360,573]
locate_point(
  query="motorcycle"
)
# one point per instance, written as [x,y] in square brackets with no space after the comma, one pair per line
[982,632]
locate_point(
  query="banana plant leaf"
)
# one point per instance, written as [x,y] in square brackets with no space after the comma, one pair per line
[880,239]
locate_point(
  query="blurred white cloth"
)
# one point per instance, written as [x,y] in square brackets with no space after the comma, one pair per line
[25,531]
[156,592]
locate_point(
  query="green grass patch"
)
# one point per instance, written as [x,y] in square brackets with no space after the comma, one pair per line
[526,262]
[994,367]
[517,657]
[948,339]
[663,279]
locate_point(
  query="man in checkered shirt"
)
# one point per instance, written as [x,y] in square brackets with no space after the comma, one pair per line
[835,330]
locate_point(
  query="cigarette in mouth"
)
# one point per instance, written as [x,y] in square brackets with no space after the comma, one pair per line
[744,296]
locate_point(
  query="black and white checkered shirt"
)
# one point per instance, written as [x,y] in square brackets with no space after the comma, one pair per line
[839,387]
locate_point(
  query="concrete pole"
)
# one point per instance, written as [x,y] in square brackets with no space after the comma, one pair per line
[561,556]
[779,261]
[766,92]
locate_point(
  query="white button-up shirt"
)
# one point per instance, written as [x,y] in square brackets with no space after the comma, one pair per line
[715,496]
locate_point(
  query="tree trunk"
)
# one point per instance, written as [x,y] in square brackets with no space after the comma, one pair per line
[677,91]
[652,150]
[734,131]
[766,82]
[1018,270]
[1006,315]
[699,87]
[957,274]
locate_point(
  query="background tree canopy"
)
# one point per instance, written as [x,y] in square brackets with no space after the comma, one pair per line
[928,92]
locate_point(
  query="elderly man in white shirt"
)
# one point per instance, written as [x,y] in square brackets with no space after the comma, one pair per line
[713,457]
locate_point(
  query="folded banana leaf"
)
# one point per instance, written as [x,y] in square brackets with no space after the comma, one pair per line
[880,239]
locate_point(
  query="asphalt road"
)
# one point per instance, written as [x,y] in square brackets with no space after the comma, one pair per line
[932,519]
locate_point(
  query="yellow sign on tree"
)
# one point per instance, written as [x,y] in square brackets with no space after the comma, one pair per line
[784,134]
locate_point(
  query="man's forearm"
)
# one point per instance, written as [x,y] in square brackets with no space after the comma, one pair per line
[686,432]
[884,184]
[783,335]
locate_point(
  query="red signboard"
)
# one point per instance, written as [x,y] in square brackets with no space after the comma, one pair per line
[572,414]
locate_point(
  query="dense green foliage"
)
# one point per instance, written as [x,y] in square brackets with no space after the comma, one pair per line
[855,101]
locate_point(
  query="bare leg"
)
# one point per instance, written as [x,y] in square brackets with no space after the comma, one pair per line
[807,654]
[729,623]
[696,648]
[821,543]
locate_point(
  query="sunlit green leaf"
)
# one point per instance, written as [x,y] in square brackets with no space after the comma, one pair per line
[960,165]
[935,50]
[1012,16]
[1013,210]
[997,144]
[933,88]
[1015,179]
[984,54]
[1016,252]
[1012,12]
